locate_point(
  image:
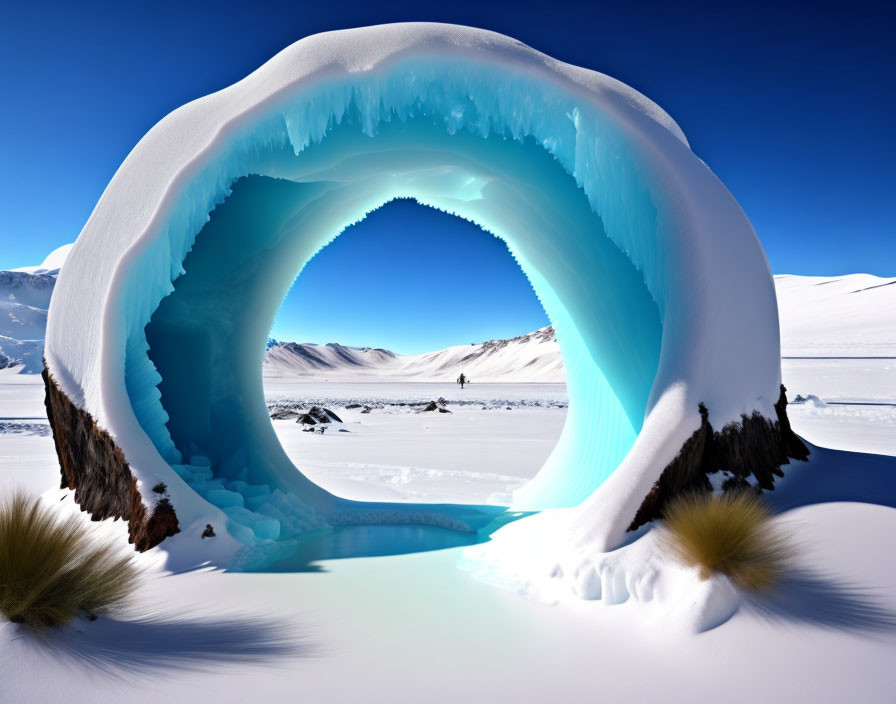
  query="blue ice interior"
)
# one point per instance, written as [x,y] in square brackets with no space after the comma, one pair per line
[484,149]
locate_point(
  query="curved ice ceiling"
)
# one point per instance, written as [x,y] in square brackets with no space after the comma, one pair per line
[658,289]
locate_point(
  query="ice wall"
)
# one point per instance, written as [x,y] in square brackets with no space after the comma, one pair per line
[206,338]
[657,286]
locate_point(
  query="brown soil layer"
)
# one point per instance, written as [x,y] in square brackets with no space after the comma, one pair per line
[96,468]
[755,446]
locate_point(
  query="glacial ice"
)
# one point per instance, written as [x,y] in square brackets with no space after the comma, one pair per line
[656,285]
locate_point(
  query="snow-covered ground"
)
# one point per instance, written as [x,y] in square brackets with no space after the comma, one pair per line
[838,343]
[414,627]
[855,404]
[495,438]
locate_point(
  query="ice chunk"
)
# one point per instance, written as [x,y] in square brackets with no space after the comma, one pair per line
[263,527]
[200,472]
[223,498]
[200,461]
[199,486]
[184,471]
[234,464]
[255,502]
[241,532]
[267,529]
[252,490]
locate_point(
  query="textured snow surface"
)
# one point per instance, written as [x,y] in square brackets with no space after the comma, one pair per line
[494,440]
[650,272]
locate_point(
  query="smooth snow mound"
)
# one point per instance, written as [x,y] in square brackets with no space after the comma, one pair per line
[53,262]
[849,316]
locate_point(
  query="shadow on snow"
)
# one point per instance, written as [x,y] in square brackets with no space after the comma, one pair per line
[149,644]
[808,596]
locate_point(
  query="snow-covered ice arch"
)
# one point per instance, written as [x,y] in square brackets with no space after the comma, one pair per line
[658,289]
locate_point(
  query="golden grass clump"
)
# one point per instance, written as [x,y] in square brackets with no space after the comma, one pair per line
[731,534]
[51,570]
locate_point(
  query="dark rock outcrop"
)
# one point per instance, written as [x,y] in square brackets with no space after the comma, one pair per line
[756,447]
[324,413]
[440,406]
[95,467]
[317,414]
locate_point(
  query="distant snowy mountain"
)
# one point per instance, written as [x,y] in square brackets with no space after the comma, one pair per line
[294,359]
[852,316]
[837,316]
[24,300]
[529,358]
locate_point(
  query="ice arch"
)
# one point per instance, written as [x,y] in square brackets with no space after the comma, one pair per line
[657,286]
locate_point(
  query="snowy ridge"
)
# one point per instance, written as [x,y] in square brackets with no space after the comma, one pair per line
[291,359]
[534,357]
[839,316]
[850,316]
[24,300]
[853,315]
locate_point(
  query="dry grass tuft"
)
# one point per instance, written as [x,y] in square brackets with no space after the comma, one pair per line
[51,570]
[731,534]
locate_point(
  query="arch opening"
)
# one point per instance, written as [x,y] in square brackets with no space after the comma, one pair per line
[379,327]
[206,338]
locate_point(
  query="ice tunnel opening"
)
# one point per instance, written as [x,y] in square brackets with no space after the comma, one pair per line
[362,365]
[204,342]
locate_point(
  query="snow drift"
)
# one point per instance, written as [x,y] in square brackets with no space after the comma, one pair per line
[651,274]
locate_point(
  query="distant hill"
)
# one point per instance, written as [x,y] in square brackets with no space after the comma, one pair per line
[851,316]
[24,300]
[837,316]
[534,357]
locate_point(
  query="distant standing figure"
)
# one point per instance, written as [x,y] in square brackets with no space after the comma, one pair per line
[462,380]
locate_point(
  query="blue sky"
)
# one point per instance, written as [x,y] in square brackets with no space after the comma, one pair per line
[792,106]
[425,281]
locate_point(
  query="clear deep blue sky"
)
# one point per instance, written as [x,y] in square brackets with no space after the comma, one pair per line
[793,108]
